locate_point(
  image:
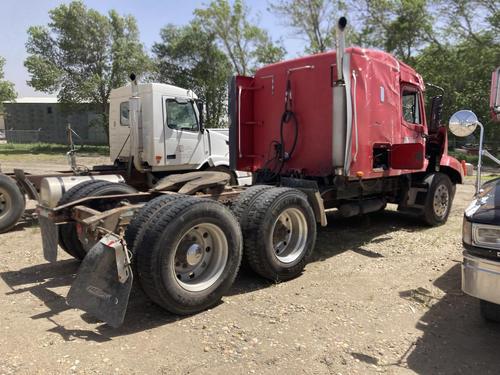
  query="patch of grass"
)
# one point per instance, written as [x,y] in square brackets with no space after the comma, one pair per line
[50,149]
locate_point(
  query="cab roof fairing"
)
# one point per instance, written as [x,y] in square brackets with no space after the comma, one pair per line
[406,72]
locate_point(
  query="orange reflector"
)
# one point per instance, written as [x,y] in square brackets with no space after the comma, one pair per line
[158,158]
[359,174]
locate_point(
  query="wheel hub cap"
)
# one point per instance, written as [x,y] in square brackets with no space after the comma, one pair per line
[441,200]
[194,254]
[200,257]
[289,235]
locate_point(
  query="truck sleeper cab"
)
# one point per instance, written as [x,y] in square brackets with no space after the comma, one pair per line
[379,146]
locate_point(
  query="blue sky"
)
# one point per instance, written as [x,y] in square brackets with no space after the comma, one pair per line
[151,15]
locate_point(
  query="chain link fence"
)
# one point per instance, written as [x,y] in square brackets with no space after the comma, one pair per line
[85,137]
[23,136]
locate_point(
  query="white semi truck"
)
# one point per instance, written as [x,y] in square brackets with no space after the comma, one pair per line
[170,139]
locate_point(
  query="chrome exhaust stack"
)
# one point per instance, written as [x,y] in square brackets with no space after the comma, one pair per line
[136,134]
[340,35]
[339,105]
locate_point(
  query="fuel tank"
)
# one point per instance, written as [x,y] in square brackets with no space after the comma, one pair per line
[53,188]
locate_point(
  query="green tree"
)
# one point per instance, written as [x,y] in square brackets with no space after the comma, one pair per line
[314,19]
[189,57]
[245,44]
[469,19]
[464,71]
[82,54]
[7,91]
[401,27]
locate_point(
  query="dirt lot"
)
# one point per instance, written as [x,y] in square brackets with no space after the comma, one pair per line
[381,295]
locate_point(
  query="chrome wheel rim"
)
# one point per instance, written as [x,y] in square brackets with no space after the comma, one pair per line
[200,257]
[441,200]
[5,203]
[289,235]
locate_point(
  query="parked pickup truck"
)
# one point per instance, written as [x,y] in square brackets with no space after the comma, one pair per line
[481,239]
[481,223]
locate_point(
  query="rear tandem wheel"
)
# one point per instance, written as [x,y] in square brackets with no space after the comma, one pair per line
[188,254]
[279,231]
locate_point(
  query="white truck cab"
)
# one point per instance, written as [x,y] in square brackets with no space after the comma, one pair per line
[171,136]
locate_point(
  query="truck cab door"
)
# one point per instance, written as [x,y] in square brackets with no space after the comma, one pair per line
[186,146]
[410,153]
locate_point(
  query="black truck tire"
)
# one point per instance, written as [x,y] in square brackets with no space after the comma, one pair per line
[144,215]
[189,255]
[245,200]
[12,203]
[280,234]
[439,198]
[240,209]
[489,311]
[68,236]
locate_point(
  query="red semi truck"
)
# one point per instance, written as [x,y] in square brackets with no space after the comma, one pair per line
[342,130]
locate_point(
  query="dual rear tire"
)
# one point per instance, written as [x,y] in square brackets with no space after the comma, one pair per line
[279,231]
[187,250]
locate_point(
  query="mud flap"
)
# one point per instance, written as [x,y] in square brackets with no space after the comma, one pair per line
[104,281]
[49,238]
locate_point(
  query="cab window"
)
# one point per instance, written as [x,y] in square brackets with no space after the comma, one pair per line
[124,114]
[181,115]
[412,112]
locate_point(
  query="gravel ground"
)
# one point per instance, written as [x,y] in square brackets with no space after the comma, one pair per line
[381,295]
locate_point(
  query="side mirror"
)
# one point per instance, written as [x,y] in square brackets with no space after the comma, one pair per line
[436,113]
[201,109]
[463,123]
